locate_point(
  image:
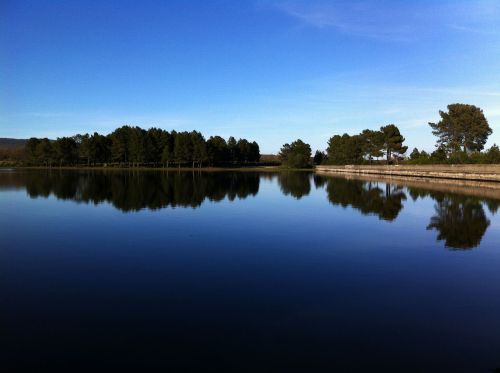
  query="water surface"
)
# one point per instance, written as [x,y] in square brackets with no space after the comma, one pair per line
[246,272]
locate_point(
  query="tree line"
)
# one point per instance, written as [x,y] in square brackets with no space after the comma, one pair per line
[134,146]
[347,149]
[462,133]
[366,146]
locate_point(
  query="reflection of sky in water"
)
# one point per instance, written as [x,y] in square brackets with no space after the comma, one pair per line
[282,273]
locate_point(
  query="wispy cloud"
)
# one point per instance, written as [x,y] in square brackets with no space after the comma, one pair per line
[476,17]
[395,21]
[353,18]
[476,29]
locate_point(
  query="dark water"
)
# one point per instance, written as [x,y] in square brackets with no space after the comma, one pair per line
[245,272]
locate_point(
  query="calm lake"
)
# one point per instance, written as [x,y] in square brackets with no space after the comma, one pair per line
[242,271]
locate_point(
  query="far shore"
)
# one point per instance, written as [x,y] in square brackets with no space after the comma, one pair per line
[163,169]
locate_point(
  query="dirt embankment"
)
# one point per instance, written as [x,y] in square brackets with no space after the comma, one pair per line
[489,173]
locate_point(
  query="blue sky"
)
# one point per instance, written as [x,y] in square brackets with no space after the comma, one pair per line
[270,71]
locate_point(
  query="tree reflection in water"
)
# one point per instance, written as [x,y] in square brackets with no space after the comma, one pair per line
[460,221]
[133,191]
[367,197]
[295,183]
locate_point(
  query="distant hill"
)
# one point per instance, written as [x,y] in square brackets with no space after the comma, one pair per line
[6,143]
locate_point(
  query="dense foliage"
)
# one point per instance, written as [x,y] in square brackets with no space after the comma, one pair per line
[319,157]
[462,127]
[462,134]
[392,141]
[441,156]
[366,146]
[345,149]
[135,146]
[296,155]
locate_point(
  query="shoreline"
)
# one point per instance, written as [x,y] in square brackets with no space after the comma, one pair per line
[485,173]
[161,169]
[449,174]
